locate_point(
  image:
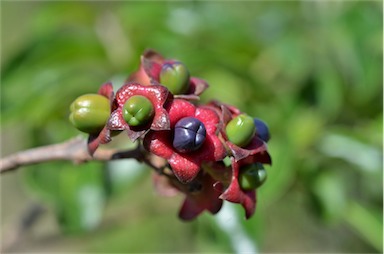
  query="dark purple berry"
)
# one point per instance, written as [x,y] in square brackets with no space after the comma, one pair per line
[189,134]
[262,130]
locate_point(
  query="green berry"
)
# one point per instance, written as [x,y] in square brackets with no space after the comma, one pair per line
[240,130]
[89,113]
[227,161]
[252,177]
[138,110]
[175,76]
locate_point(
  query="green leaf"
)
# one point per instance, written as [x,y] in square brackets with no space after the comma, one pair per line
[75,192]
[281,173]
[367,222]
[329,190]
[329,89]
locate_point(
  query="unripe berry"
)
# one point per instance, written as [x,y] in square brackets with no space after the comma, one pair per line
[175,76]
[138,110]
[240,130]
[89,113]
[252,176]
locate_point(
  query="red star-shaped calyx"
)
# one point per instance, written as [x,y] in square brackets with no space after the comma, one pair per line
[186,166]
[156,94]
[237,195]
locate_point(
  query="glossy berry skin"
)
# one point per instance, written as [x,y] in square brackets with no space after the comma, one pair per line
[252,177]
[175,76]
[240,130]
[189,134]
[89,113]
[138,110]
[262,130]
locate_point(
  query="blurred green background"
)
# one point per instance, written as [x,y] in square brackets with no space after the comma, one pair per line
[311,69]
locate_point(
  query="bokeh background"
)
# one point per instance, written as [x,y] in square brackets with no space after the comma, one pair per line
[311,69]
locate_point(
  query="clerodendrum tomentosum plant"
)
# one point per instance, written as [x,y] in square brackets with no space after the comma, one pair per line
[210,152]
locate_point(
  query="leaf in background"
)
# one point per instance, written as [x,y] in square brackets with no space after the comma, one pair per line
[304,129]
[329,88]
[225,86]
[121,175]
[58,68]
[280,175]
[329,191]
[357,46]
[367,158]
[368,222]
[76,193]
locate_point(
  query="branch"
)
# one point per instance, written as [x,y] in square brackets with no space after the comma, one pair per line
[71,150]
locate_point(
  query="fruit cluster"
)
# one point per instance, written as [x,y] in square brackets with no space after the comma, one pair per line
[213,152]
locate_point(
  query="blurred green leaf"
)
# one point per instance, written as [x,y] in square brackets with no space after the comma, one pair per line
[305,128]
[76,193]
[280,176]
[367,222]
[329,91]
[329,190]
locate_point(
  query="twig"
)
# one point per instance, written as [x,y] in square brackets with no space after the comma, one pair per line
[75,150]
[71,150]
